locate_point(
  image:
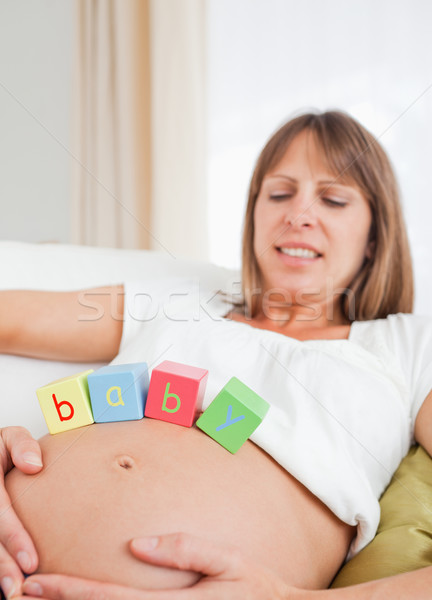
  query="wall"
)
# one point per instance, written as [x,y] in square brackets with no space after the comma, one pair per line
[269,59]
[35,117]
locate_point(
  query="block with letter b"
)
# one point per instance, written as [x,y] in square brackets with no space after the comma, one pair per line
[119,392]
[233,415]
[65,403]
[176,393]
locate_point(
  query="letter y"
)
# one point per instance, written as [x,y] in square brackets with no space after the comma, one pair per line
[229,421]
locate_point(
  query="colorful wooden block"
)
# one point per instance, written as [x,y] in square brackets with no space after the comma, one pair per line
[233,415]
[119,392]
[176,393]
[65,403]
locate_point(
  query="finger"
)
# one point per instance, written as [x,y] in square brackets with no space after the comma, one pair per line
[23,449]
[227,574]
[14,539]
[63,587]
[187,552]
[17,551]
[12,581]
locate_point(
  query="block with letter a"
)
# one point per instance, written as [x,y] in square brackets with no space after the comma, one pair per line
[65,403]
[176,393]
[233,415]
[119,392]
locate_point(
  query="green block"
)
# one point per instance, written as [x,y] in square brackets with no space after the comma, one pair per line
[233,415]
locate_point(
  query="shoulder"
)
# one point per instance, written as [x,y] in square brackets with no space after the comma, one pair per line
[403,336]
[404,342]
[402,339]
[396,325]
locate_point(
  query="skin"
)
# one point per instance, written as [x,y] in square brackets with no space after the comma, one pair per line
[302,202]
[177,479]
[227,576]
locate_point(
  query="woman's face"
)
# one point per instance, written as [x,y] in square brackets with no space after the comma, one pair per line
[311,229]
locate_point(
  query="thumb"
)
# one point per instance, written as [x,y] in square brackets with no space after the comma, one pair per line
[23,449]
[188,553]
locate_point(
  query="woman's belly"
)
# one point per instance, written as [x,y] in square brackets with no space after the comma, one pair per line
[105,484]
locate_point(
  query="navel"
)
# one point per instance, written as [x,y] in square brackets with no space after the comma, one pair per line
[124,461]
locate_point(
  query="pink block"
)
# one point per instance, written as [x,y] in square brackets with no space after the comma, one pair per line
[176,393]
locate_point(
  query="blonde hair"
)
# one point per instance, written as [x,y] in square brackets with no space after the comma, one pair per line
[384,284]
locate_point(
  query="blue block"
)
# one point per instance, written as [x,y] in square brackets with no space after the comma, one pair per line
[119,392]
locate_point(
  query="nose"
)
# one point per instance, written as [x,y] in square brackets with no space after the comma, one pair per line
[300,211]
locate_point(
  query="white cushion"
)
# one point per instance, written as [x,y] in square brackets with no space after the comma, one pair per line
[68,267]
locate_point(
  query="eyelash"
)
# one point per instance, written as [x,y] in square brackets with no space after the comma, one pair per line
[329,201]
[335,203]
[277,197]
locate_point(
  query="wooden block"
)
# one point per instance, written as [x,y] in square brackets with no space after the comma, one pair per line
[176,393]
[233,415]
[65,403]
[119,392]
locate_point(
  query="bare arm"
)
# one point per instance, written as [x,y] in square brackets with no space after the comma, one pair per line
[82,326]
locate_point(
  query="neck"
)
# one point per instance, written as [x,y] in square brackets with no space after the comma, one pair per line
[295,317]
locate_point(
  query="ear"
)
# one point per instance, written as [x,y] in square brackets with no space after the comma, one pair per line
[370,250]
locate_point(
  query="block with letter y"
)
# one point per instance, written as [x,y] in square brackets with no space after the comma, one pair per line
[176,393]
[65,403]
[119,392]
[233,415]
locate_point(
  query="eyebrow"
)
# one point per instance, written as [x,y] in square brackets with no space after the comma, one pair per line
[328,182]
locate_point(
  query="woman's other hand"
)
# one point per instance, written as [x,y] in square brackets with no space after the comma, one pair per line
[225,574]
[17,552]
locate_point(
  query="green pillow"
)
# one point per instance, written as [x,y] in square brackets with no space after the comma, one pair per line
[404,538]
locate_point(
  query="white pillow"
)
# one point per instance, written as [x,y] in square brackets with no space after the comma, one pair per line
[67,267]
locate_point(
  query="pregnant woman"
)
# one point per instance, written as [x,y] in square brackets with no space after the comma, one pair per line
[322,332]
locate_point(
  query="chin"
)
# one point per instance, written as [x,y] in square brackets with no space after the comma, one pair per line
[295,288]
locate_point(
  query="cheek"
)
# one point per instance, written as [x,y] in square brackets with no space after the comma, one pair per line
[354,242]
[266,220]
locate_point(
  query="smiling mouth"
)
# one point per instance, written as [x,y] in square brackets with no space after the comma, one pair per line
[299,252]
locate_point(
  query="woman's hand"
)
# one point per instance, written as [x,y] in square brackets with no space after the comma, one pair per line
[17,552]
[226,575]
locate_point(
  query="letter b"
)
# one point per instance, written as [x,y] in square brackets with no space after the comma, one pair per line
[58,406]
[180,408]
[165,398]
[68,414]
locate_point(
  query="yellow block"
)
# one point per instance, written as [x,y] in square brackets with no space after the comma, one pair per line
[65,403]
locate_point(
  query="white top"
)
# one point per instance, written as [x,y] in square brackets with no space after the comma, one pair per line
[342,411]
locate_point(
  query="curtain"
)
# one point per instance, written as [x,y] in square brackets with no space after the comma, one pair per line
[139,176]
[179,126]
[112,175]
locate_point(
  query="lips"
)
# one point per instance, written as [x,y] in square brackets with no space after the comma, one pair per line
[294,250]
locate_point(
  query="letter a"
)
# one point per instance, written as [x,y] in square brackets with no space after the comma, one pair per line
[119,395]
[165,398]
[229,421]
[58,406]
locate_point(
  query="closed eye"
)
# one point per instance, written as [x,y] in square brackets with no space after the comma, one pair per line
[277,197]
[334,203]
